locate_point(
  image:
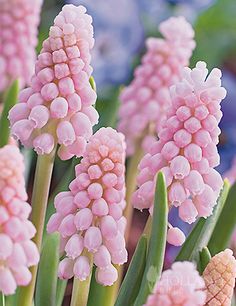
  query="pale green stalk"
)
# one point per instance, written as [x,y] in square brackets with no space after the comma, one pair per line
[80,290]
[42,183]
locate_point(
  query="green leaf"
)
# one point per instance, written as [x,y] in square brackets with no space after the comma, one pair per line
[215,33]
[201,233]
[107,110]
[205,257]
[2,299]
[9,101]
[47,274]
[92,83]
[220,238]
[132,281]
[61,288]
[157,244]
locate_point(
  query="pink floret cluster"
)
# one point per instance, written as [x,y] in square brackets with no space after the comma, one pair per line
[186,151]
[180,286]
[58,106]
[17,251]
[89,217]
[145,101]
[18,38]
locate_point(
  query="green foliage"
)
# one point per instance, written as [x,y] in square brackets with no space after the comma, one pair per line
[132,281]
[201,233]
[225,225]
[216,33]
[157,244]
[205,257]
[47,272]
[9,101]
[61,288]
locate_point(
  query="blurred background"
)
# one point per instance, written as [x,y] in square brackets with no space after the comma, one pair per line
[121,28]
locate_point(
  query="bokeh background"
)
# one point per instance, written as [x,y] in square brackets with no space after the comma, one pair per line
[121,28]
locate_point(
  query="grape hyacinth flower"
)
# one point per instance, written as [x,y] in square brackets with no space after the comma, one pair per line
[18,38]
[186,151]
[145,101]
[180,286]
[219,277]
[17,251]
[58,106]
[89,216]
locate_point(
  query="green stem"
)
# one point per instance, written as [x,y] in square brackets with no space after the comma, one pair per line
[2,300]
[42,182]
[131,176]
[9,100]
[80,290]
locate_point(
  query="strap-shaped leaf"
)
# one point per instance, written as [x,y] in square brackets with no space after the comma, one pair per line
[132,281]
[61,288]
[157,244]
[201,233]
[220,238]
[205,257]
[9,101]
[47,272]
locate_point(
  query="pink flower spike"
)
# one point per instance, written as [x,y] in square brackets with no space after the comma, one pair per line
[17,251]
[181,285]
[145,102]
[187,157]
[60,100]
[18,30]
[90,215]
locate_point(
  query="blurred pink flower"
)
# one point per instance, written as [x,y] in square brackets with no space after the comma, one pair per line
[186,151]
[58,107]
[18,38]
[145,101]
[17,251]
[180,286]
[219,277]
[89,217]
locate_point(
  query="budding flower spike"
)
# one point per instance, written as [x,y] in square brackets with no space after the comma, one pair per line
[18,38]
[17,251]
[219,276]
[186,151]
[180,286]
[89,217]
[145,101]
[58,106]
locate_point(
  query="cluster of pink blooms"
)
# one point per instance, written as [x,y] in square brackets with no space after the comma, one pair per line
[89,216]
[58,106]
[231,173]
[18,38]
[17,251]
[186,151]
[146,100]
[180,286]
[219,276]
